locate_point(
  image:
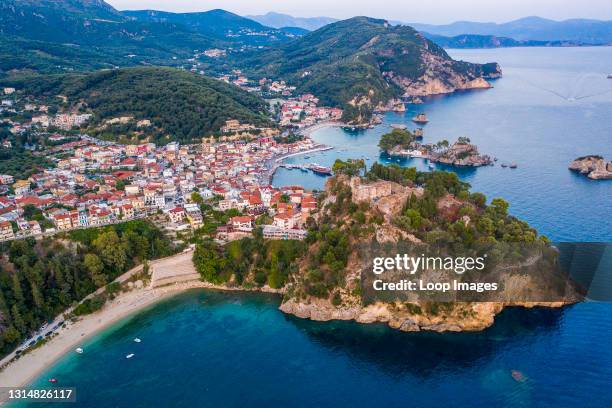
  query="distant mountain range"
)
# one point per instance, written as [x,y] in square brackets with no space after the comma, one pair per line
[219,24]
[279,20]
[514,33]
[492,41]
[530,28]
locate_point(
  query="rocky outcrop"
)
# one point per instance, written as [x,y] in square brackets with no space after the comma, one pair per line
[594,167]
[462,154]
[442,76]
[408,317]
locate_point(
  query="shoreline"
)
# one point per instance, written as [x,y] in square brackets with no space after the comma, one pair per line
[21,372]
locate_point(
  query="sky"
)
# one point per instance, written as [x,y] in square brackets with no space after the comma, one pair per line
[416,11]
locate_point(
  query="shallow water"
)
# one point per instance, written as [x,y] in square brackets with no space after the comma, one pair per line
[211,349]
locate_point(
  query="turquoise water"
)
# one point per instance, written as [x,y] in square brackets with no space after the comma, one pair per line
[208,349]
[542,115]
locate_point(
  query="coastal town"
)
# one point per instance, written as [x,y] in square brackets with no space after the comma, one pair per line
[92,182]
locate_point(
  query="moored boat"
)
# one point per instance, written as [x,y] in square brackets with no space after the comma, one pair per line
[420,118]
[318,169]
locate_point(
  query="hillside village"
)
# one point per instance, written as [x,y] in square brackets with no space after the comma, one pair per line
[95,182]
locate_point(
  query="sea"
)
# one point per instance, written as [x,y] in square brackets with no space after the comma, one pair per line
[204,348]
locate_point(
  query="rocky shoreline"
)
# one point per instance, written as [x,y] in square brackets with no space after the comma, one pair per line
[593,166]
[463,317]
[458,154]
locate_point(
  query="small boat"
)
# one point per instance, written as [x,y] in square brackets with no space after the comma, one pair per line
[52,380]
[420,118]
[609,76]
[504,165]
[513,166]
[495,159]
[137,340]
[79,350]
[431,166]
[130,355]
[518,376]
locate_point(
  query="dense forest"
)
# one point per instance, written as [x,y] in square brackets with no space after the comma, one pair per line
[181,105]
[249,261]
[40,279]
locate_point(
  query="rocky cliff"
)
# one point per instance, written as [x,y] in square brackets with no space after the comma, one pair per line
[594,167]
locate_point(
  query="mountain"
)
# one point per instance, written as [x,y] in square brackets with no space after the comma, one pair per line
[530,28]
[278,20]
[217,23]
[64,35]
[362,62]
[180,105]
[491,41]
[104,36]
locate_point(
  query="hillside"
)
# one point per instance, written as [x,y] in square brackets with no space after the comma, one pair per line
[180,105]
[531,28]
[217,23]
[54,36]
[46,31]
[362,62]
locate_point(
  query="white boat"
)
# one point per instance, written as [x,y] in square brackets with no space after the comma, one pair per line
[431,166]
[130,355]
[79,350]
[137,340]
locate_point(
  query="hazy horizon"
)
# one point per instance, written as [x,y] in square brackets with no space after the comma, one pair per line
[443,12]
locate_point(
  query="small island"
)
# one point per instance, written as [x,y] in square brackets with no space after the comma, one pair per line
[401,142]
[593,166]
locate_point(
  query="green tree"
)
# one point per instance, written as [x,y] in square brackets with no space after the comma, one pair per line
[96,268]
[111,250]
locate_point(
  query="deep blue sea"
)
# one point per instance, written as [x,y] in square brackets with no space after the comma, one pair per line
[210,349]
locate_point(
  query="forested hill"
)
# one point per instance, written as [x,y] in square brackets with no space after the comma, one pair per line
[63,35]
[360,62]
[180,105]
[217,23]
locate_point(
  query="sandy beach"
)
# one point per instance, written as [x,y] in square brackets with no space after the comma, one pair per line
[23,371]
